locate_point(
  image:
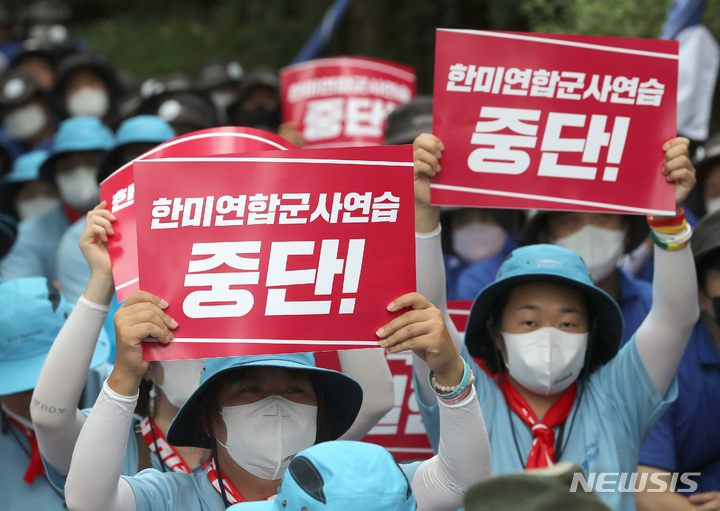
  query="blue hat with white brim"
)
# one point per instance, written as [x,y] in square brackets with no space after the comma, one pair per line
[342,395]
[546,263]
[32,312]
[347,476]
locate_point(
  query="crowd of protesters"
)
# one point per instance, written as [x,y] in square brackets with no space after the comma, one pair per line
[592,346]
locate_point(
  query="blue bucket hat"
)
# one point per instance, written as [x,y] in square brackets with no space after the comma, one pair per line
[26,168]
[546,263]
[141,129]
[75,135]
[32,312]
[342,395]
[341,476]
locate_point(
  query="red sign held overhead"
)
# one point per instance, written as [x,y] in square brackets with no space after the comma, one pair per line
[276,252]
[118,190]
[344,101]
[554,122]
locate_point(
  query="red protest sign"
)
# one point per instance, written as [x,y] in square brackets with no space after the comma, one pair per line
[344,101]
[554,122]
[118,190]
[276,252]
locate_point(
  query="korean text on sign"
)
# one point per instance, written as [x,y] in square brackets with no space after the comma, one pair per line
[344,101]
[263,261]
[564,122]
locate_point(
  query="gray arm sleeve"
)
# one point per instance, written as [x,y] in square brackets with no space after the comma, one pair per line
[94,481]
[370,369]
[463,458]
[55,414]
[431,283]
[663,336]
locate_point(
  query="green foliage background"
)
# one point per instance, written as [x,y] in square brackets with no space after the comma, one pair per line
[150,37]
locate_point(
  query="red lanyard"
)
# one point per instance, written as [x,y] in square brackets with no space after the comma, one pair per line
[35,468]
[168,454]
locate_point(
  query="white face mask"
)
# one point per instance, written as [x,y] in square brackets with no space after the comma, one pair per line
[545,361]
[601,249]
[264,437]
[222,99]
[181,378]
[88,101]
[478,241]
[25,123]
[79,187]
[713,205]
[35,206]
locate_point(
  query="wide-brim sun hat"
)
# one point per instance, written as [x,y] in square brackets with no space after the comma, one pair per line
[706,237]
[32,312]
[638,230]
[141,129]
[26,168]
[546,263]
[409,121]
[352,476]
[342,395]
[76,135]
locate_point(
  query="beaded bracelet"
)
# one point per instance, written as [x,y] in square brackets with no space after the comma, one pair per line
[666,222]
[455,390]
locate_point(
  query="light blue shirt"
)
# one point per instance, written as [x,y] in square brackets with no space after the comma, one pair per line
[157,491]
[130,463]
[73,271]
[619,407]
[34,253]
[15,493]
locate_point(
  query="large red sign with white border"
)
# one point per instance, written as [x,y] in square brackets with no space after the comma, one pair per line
[344,101]
[554,122]
[276,252]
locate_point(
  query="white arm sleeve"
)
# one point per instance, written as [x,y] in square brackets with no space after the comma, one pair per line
[94,482]
[54,409]
[431,283]
[370,369]
[463,458]
[662,337]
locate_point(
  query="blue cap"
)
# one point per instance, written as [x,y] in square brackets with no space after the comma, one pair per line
[26,168]
[32,312]
[342,395]
[78,134]
[141,129]
[546,263]
[346,476]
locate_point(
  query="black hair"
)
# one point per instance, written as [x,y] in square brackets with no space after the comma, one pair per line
[208,408]
[706,263]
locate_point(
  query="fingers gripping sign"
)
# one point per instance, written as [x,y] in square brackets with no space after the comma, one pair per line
[678,168]
[422,329]
[98,226]
[141,316]
[427,152]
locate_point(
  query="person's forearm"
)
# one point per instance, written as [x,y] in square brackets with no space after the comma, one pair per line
[370,369]
[659,501]
[663,336]
[100,289]
[54,407]
[431,283]
[94,482]
[463,457]
[427,218]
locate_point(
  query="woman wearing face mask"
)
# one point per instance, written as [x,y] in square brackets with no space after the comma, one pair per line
[22,194]
[87,85]
[26,113]
[256,413]
[481,240]
[558,387]
[63,375]
[72,165]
